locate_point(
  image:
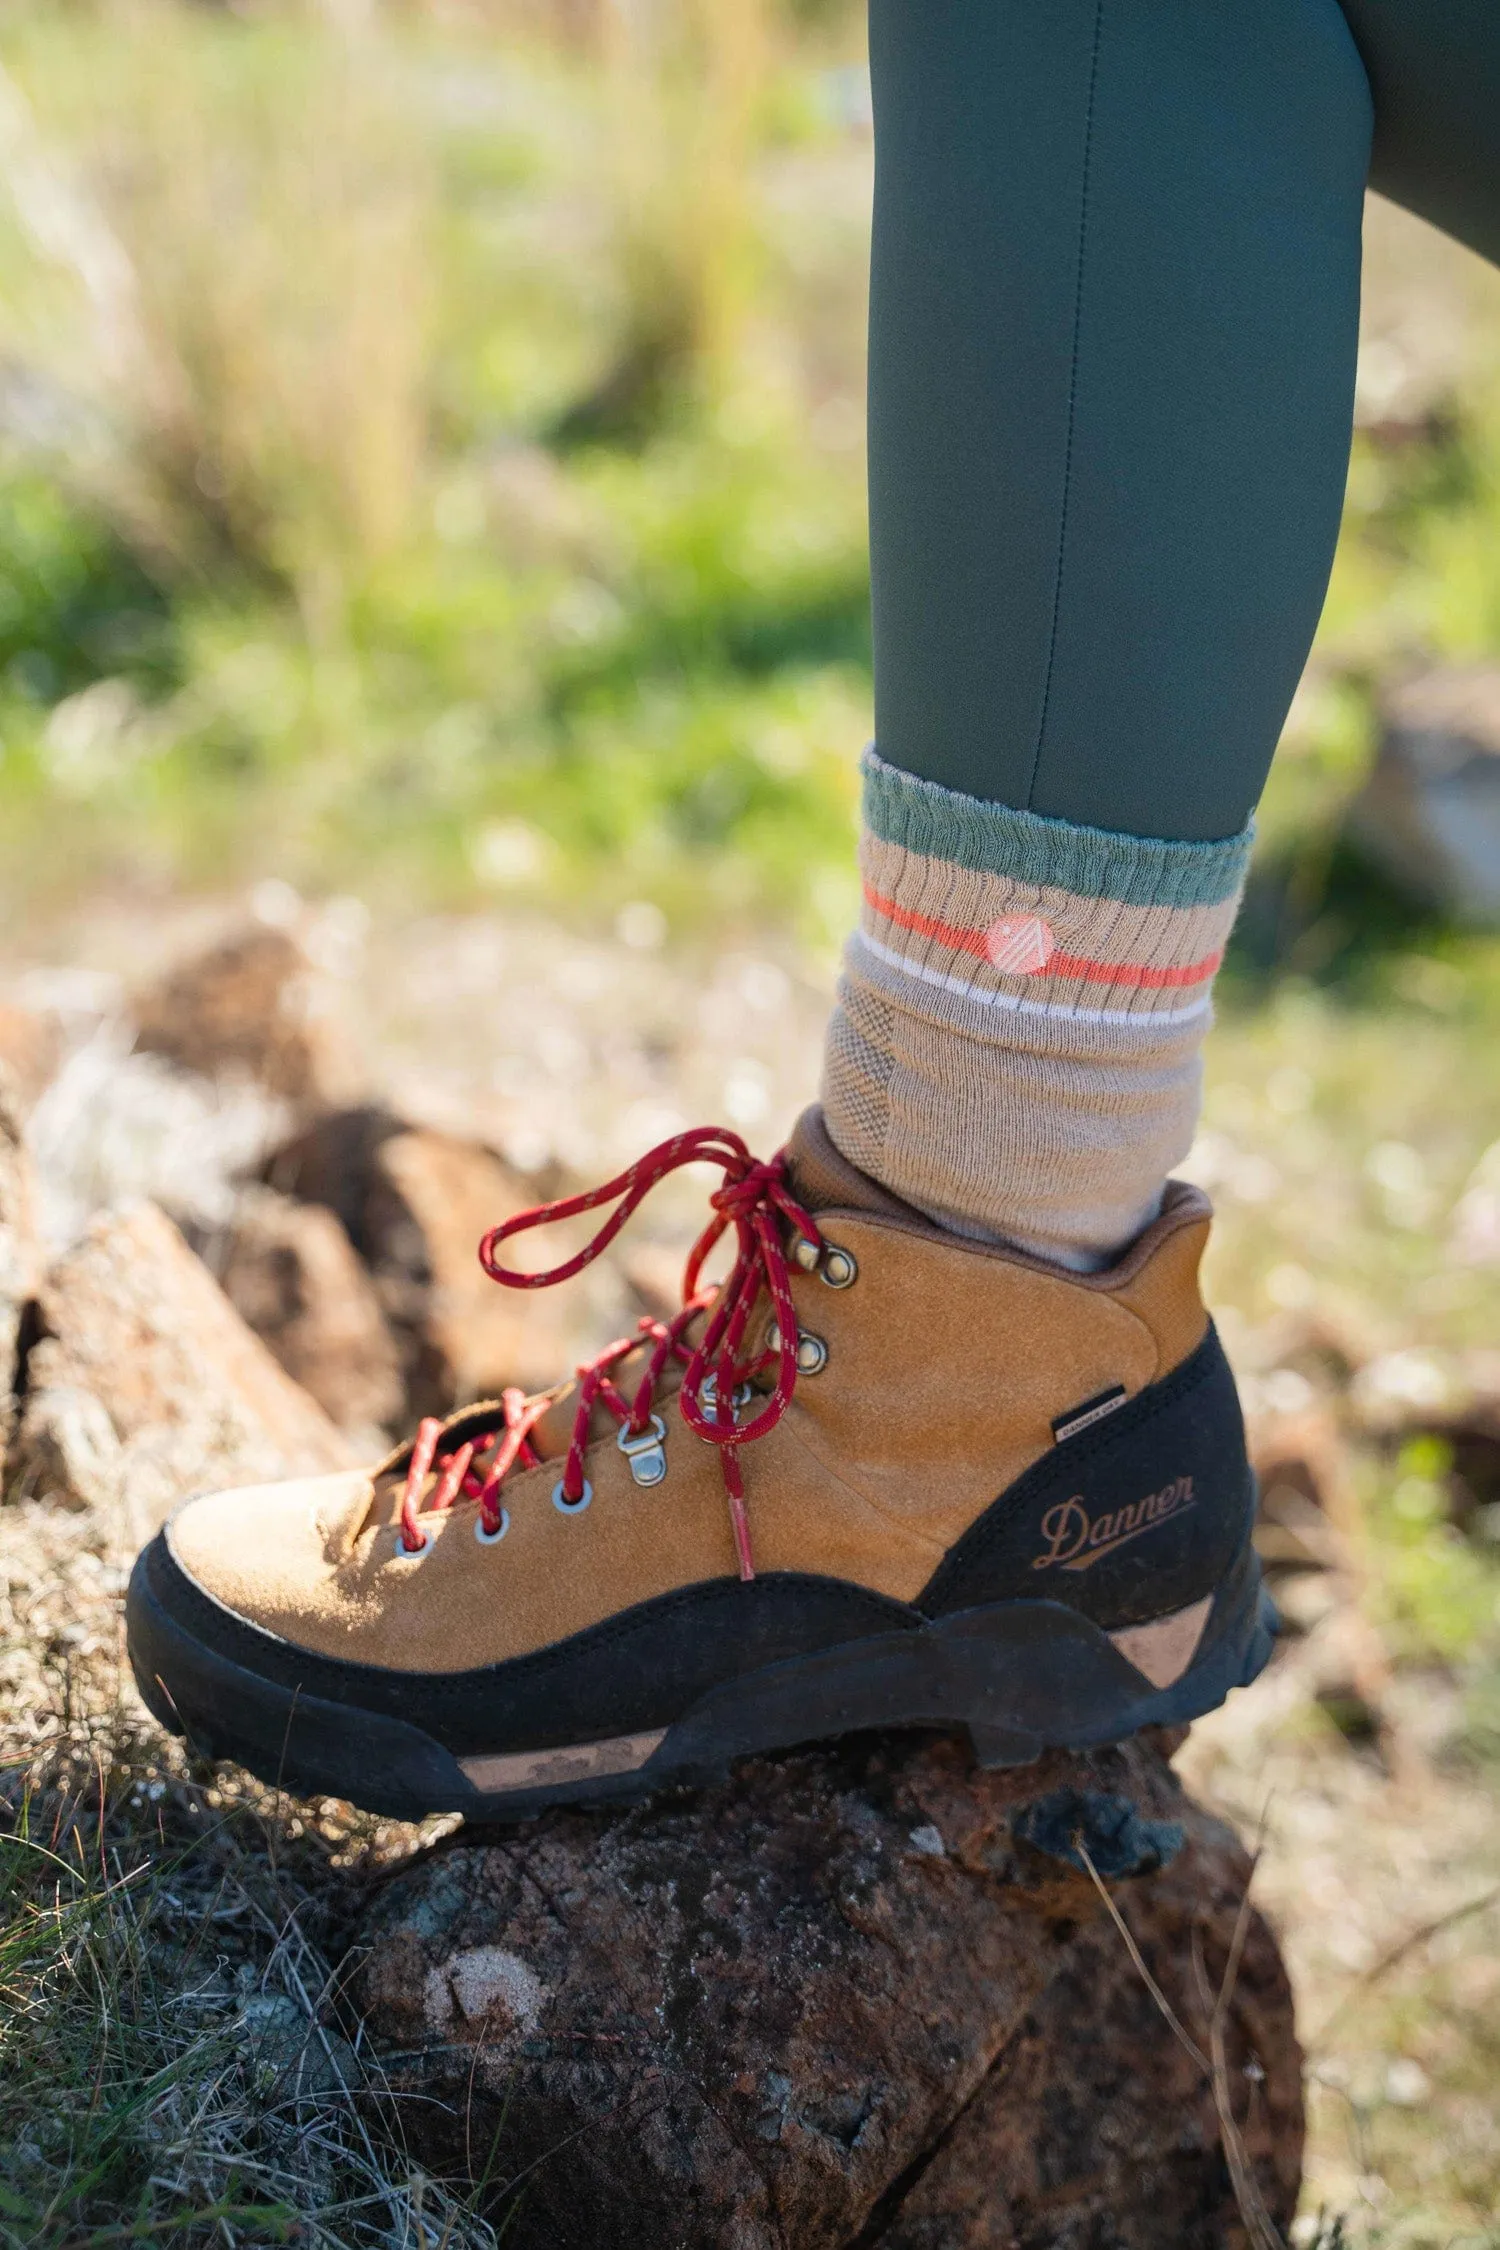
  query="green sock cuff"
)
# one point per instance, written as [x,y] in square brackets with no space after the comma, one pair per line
[921,816]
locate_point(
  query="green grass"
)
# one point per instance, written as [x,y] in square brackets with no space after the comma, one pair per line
[675,722]
[171,2065]
[510,497]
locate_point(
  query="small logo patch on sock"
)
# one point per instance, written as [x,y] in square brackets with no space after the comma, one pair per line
[1092,1410]
[1020,944]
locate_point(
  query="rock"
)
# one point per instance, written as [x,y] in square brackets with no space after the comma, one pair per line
[290,1271]
[415,1204]
[843,1998]
[133,1321]
[253,1005]
[31,1048]
[1091,2127]
[70,1450]
[434,1197]
[333,1162]
[1429,814]
[20,1249]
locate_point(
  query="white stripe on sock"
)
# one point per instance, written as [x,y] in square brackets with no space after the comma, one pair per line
[1145,1018]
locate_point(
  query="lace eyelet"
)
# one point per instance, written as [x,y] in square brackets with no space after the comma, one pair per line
[708,1396]
[812,1352]
[567,1507]
[492,1538]
[806,1254]
[645,1450]
[411,1554]
[840,1268]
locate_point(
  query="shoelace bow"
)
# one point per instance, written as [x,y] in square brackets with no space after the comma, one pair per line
[753,1199]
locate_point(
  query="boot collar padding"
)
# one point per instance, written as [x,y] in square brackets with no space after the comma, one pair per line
[826,1181]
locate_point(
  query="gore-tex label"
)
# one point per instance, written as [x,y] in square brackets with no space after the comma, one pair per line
[1076,1539]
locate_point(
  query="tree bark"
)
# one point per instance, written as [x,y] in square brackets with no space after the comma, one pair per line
[851,1996]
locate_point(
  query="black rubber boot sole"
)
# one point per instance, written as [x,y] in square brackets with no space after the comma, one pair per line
[1020,1677]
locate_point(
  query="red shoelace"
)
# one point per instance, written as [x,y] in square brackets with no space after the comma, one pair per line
[754,1199]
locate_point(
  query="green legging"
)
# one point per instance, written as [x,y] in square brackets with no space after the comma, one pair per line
[1114,309]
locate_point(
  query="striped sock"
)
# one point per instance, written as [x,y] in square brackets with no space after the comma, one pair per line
[1016,1045]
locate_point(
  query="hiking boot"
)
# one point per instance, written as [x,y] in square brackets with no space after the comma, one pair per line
[881,1476]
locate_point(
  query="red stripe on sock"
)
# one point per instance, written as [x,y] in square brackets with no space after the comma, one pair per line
[1133,972]
[1064,965]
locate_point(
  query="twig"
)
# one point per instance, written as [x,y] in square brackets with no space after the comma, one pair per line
[1264,2235]
[1231,1976]
[1184,2037]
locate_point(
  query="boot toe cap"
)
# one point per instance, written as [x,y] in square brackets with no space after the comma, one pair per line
[257,1550]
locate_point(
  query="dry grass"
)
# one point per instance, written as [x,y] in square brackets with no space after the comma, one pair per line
[175,2060]
[228,250]
[247,407]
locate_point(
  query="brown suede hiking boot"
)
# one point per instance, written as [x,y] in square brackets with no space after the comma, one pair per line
[881,1476]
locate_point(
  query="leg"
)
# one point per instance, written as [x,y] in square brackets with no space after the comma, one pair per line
[1114,319]
[1434,68]
[1114,313]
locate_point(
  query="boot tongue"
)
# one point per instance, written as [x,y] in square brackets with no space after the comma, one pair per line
[822,1179]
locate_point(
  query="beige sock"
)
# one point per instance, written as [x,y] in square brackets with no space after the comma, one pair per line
[1016,1045]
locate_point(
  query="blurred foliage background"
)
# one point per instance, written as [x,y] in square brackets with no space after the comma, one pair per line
[430,448]
[431,464]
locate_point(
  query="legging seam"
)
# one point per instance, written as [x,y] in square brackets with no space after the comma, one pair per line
[1067,477]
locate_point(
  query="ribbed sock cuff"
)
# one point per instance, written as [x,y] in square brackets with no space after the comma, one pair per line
[1022,912]
[1026,847]
[1016,1045]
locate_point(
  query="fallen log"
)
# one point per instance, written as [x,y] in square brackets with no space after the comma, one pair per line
[858,1995]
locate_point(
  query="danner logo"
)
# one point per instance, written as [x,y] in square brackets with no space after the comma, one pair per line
[1076,1540]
